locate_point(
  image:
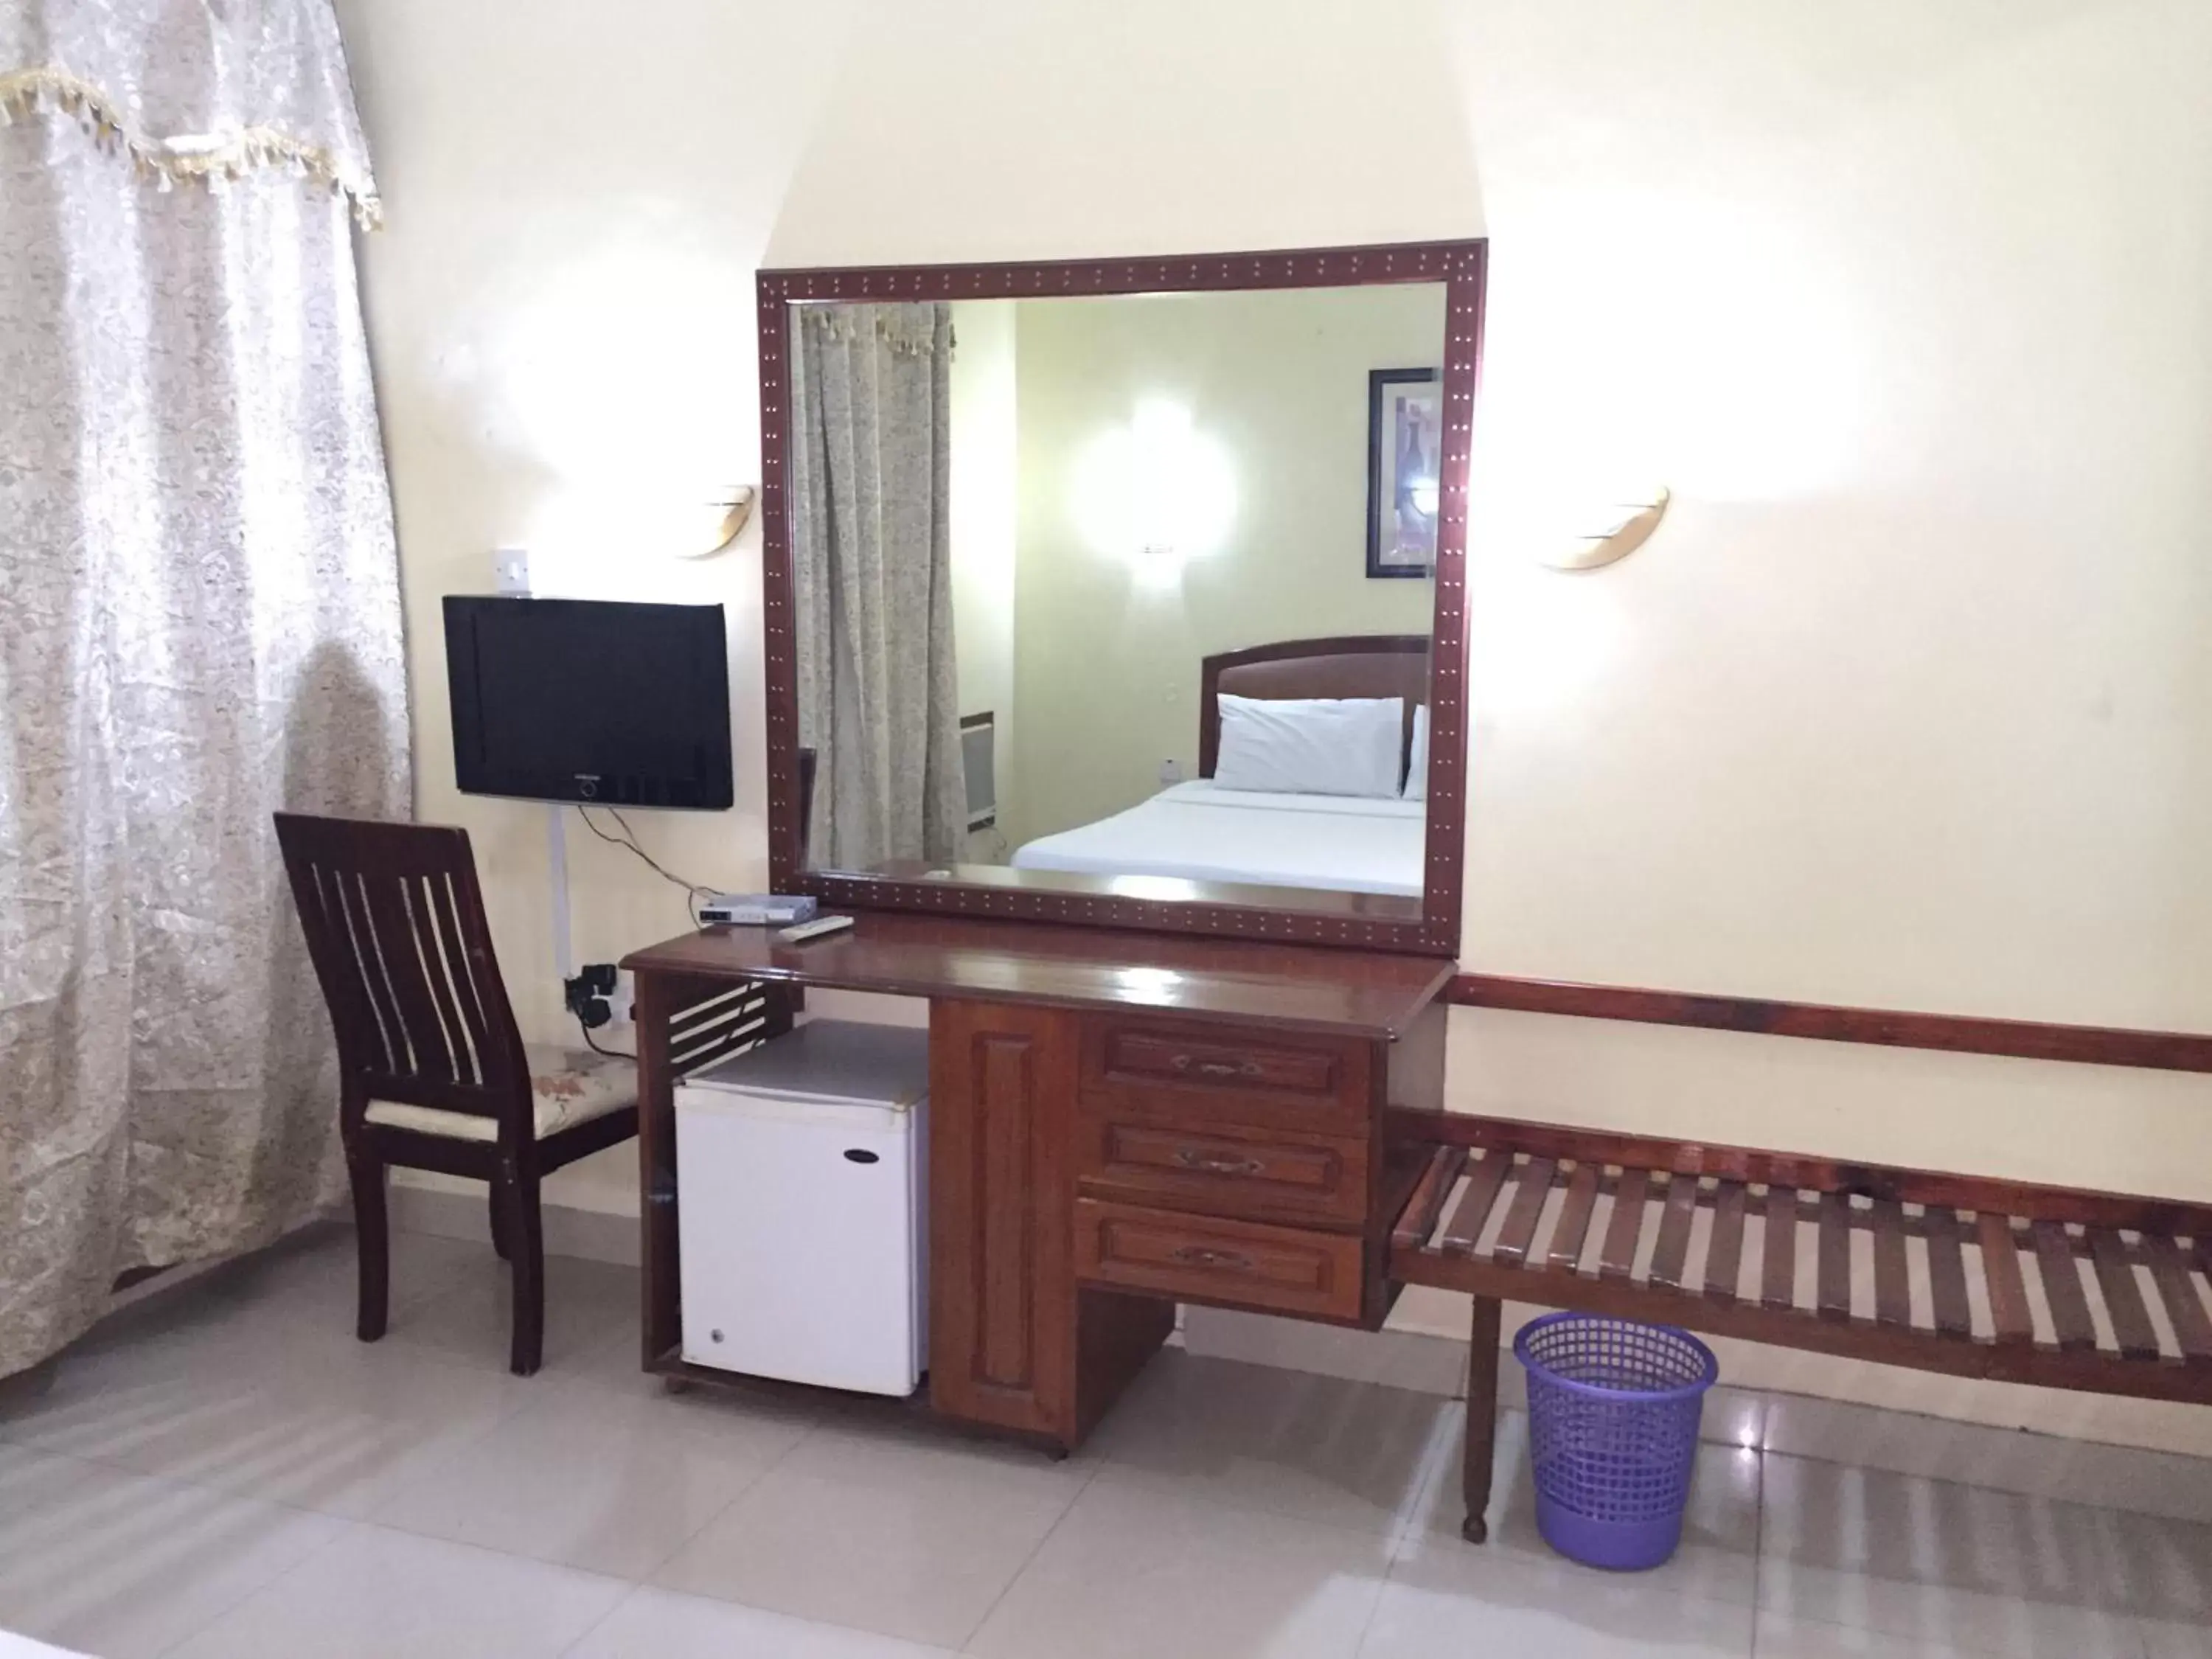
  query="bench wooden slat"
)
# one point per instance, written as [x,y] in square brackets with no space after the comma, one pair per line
[2123,1303]
[1893,1284]
[1426,1202]
[1472,1214]
[2185,1309]
[1947,1272]
[1520,1229]
[1672,1253]
[1725,1255]
[1779,1270]
[1834,1262]
[1617,1256]
[2008,1310]
[2062,1285]
[1567,1251]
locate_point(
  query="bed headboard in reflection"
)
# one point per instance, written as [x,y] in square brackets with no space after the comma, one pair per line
[1349,665]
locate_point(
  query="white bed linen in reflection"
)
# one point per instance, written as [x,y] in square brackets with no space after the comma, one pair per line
[1200,832]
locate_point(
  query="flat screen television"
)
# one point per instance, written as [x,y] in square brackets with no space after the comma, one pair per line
[590,701]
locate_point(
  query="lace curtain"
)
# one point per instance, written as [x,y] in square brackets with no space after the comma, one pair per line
[872,567]
[199,622]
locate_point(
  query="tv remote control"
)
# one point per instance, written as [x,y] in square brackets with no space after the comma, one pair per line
[814,929]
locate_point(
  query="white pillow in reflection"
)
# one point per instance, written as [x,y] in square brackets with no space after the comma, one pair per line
[1417,764]
[1311,745]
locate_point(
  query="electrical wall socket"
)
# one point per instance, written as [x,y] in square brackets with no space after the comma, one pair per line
[601,994]
[623,998]
[1171,771]
[510,571]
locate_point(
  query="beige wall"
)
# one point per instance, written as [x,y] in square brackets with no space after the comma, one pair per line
[560,319]
[1106,658]
[973,130]
[1909,701]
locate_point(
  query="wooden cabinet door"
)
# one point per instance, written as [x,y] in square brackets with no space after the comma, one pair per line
[1002,1305]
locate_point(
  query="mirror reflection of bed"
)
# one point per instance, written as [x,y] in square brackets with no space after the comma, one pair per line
[1127,593]
[1312,758]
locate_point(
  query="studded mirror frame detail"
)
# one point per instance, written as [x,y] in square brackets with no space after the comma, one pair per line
[1461,266]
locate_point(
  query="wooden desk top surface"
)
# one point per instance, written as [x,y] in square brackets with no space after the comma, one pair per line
[1303,987]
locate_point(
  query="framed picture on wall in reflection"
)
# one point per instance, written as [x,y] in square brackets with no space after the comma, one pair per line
[1404,455]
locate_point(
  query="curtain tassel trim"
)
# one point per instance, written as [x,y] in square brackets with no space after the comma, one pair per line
[214,161]
[907,336]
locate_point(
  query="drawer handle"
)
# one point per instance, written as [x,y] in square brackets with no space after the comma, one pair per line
[1220,1163]
[1215,1067]
[1201,1255]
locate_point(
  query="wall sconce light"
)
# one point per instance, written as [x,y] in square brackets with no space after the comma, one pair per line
[726,517]
[1156,493]
[1160,447]
[1605,547]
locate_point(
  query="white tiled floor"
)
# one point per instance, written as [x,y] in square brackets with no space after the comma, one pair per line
[223,1472]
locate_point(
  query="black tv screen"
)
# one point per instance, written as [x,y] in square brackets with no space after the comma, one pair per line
[589,700]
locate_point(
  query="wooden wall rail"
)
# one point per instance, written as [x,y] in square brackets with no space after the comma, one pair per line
[2088,1045]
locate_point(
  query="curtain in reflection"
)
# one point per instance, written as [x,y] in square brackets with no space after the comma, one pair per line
[199,622]
[872,557]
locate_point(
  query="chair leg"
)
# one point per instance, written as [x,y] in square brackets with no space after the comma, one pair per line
[497,1206]
[373,1240]
[1481,1419]
[527,1260]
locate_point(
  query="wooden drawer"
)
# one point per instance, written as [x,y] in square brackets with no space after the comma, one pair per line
[1227,1073]
[1223,1169]
[1237,1264]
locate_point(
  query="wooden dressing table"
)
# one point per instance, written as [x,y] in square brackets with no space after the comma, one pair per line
[1144,1089]
[1119,1121]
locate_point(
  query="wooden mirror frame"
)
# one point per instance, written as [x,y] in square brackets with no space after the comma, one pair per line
[1366,921]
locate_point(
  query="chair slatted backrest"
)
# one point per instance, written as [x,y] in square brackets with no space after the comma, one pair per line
[395,926]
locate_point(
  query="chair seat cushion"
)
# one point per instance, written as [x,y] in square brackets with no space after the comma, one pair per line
[568,1086]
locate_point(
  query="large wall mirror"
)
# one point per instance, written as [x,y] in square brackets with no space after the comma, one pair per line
[1124,593]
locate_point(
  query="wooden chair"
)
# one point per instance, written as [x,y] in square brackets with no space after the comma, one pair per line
[434,1073]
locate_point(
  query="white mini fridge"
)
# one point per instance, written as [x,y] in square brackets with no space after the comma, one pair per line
[802,1169]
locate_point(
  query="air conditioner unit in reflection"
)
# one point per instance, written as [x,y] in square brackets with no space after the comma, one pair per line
[979,749]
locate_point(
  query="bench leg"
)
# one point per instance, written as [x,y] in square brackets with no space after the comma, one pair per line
[1481,1419]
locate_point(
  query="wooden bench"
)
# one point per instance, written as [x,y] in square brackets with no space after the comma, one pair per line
[2049,1286]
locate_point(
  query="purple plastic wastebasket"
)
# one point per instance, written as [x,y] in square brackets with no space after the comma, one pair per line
[1614,1407]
